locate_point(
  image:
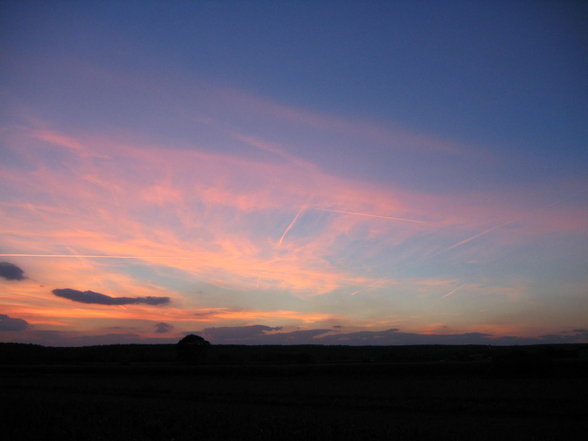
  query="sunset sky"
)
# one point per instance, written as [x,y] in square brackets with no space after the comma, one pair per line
[330,172]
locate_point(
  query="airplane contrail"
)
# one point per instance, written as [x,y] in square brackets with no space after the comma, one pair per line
[291,225]
[452,291]
[482,233]
[378,216]
[489,230]
[88,256]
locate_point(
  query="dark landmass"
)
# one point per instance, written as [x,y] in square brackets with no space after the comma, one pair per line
[146,392]
[18,353]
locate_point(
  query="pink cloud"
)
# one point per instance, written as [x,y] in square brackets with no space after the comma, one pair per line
[399,138]
[101,206]
[277,224]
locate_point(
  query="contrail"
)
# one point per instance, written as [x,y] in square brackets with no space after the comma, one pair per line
[88,256]
[475,236]
[452,291]
[291,225]
[378,216]
[489,230]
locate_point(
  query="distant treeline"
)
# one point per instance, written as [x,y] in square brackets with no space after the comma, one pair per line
[17,353]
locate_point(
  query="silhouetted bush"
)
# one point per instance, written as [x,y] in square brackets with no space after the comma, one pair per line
[192,349]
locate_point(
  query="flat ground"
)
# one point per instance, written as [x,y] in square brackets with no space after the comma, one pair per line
[167,402]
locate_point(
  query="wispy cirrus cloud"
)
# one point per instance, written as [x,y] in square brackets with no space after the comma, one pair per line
[211,223]
[279,224]
[212,200]
[400,138]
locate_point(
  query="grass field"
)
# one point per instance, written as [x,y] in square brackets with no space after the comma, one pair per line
[295,402]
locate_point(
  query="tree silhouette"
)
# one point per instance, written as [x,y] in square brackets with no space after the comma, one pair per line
[192,349]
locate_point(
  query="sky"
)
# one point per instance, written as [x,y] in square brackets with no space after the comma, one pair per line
[298,172]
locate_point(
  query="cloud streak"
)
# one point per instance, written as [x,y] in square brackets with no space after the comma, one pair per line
[96,298]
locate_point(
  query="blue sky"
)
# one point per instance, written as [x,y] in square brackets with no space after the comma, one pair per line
[418,166]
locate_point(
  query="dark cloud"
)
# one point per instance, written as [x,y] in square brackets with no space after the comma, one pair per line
[103,299]
[120,328]
[206,314]
[12,324]
[581,332]
[10,271]
[162,328]
[236,334]
[261,335]
[395,337]
[309,336]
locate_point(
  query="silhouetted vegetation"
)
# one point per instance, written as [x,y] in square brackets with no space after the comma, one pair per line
[192,349]
[122,392]
[536,359]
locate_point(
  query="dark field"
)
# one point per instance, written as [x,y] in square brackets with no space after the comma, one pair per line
[293,393]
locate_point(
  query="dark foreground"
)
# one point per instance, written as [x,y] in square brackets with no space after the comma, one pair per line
[369,400]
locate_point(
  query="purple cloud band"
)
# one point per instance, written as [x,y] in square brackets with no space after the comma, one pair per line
[97,298]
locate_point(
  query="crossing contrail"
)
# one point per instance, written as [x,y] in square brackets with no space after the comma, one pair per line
[378,216]
[291,225]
